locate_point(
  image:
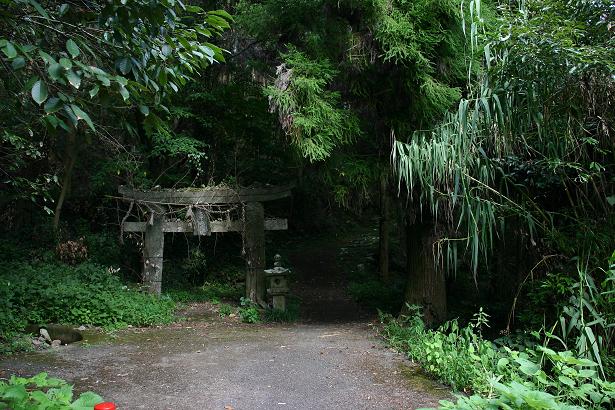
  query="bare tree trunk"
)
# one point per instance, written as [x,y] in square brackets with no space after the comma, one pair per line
[426,283]
[384,229]
[69,165]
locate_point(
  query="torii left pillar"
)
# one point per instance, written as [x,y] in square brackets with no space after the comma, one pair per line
[153,249]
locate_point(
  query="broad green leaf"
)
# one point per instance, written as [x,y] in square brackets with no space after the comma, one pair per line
[73,78]
[15,393]
[9,50]
[194,9]
[66,63]
[528,367]
[40,379]
[86,400]
[124,65]
[64,8]
[121,80]
[72,48]
[124,92]
[216,21]
[41,398]
[82,115]
[144,110]
[503,362]
[104,80]
[167,50]
[55,71]
[52,105]
[94,91]
[46,57]
[566,380]
[18,63]
[39,92]
[221,13]
[38,8]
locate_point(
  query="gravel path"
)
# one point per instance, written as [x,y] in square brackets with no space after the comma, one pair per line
[332,358]
[230,365]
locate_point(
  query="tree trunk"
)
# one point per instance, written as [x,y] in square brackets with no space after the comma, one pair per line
[426,283]
[69,165]
[384,229]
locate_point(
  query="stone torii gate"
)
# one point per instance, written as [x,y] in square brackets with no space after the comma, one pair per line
[200,222]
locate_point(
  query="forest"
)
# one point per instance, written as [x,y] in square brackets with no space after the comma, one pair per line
[451,162]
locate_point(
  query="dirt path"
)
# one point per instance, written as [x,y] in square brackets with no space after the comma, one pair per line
[321,284]
[332,359]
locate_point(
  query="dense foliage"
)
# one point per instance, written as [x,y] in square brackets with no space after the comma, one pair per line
[68,67]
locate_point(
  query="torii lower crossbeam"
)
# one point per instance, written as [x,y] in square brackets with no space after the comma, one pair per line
[254,238]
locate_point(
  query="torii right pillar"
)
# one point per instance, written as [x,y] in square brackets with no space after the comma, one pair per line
[254,242]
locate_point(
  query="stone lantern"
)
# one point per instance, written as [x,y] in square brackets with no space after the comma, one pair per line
[278,284]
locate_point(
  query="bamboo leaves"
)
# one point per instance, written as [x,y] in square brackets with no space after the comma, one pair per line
[489,159]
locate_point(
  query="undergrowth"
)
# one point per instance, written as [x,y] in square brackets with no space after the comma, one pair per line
[508,377]
[291,314]
[369,291]
[84,294]
[212,291]
[249,311]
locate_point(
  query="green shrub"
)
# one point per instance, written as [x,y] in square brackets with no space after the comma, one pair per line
[103,248]
[248,312]
[225,310]
[41,392]
[87,294]
[374,295]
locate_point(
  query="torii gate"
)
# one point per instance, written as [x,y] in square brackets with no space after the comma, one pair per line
[198,222]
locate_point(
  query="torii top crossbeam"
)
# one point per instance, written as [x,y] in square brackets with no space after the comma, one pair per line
[209,195]
[200,222]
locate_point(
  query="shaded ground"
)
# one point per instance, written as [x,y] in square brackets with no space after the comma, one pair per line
[332,359]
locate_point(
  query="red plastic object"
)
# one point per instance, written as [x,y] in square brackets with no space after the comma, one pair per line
[105,406]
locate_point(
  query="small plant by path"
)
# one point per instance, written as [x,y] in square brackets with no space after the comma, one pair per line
[42,392]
